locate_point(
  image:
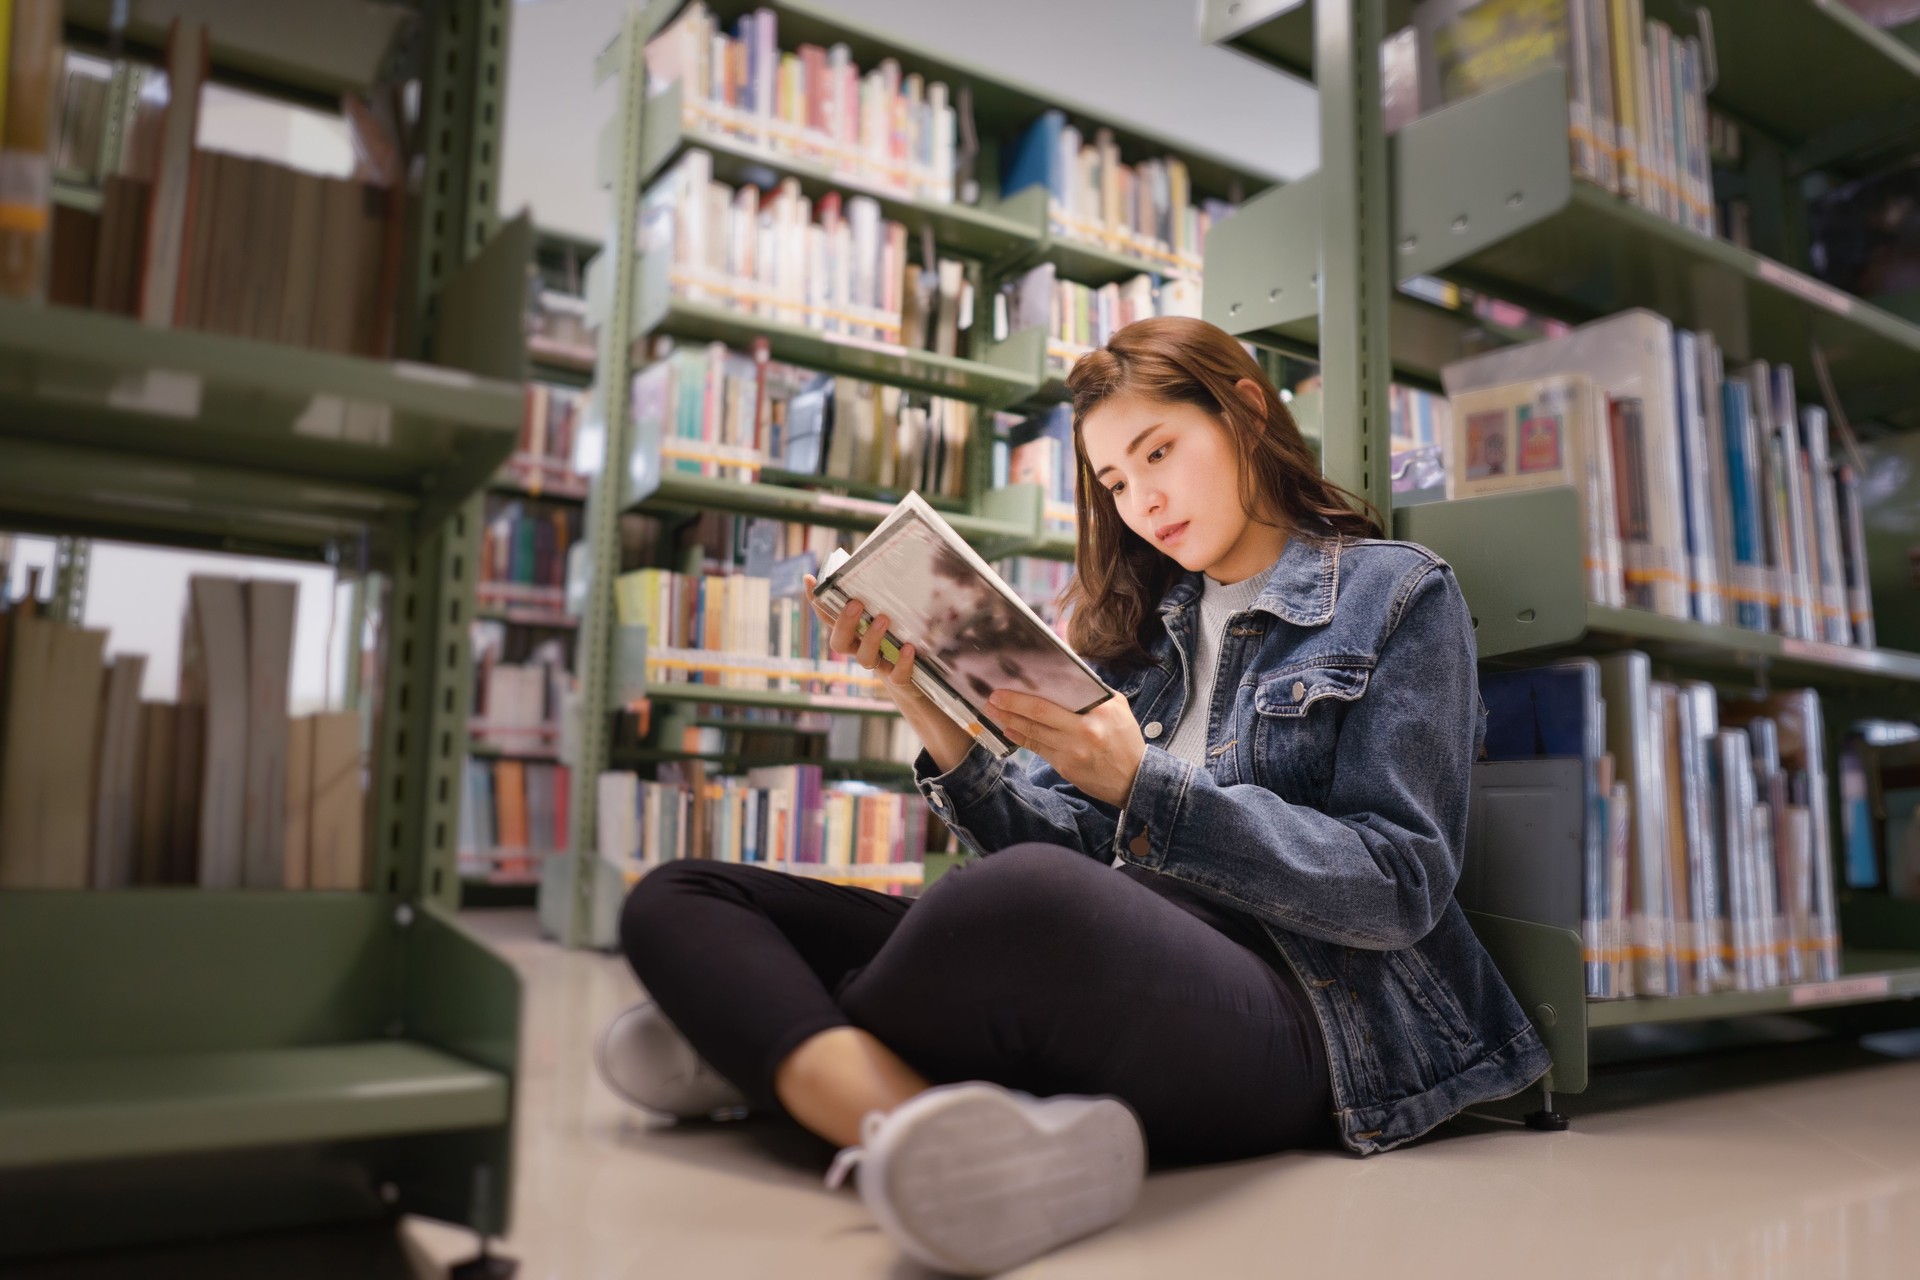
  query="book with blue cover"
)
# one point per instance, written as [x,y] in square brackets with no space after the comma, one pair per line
[1557,711]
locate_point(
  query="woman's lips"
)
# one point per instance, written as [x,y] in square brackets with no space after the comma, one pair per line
[1174,534]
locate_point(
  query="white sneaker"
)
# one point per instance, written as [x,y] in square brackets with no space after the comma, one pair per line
[644,1058]
[973,1178]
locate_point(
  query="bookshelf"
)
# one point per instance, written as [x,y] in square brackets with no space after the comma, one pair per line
[632,299]
[560,362]
[183,1062]
[1480,193]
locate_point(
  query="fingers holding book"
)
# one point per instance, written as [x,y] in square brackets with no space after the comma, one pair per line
[868,644]
[1098,751]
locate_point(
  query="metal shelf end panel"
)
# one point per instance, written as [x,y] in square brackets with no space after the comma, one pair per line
[1278,33]
[1262,264]
[1545,968]
[1518,558]
[1470,175]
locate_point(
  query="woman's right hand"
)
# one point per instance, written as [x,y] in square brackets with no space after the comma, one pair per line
[844,639]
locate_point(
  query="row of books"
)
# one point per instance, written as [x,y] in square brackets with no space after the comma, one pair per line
[523,551]
[778,256]
[1146,210]
[100,789]
[777,814]
[520,687]
[544,457]
[1636,88]
[729,630]
[1039,450]
[1040,583]
[727,413]
[1706,495]
[884,130]
[1880,809]
[191,238]
[843,739]
[514,808]
[1078,317]
[1706,859]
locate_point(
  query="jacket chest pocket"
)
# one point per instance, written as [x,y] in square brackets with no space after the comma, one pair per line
[1297,715]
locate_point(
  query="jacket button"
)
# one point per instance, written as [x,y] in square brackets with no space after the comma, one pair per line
[1299,690]
[1153,729]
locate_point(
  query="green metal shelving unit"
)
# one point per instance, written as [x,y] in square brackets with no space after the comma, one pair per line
[179,1062]
[631,300]
[1481,193]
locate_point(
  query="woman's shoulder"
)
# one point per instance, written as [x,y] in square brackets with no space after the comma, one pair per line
[1390,574]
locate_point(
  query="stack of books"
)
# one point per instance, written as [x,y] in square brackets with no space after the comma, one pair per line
[523,555]
[883,130]
[786,815]
[724,413]
[1707,495]
[222,789]
[1637,108]
[543,460]
[512,813]
[1144,210]
[1077,317]
[781,257]
[1706,855]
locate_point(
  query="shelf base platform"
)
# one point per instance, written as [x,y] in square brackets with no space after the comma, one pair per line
[58,1111]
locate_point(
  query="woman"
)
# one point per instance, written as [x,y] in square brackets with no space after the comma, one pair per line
[1217,920]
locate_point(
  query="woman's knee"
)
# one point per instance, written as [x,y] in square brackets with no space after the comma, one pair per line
[655,903]
[1024,898]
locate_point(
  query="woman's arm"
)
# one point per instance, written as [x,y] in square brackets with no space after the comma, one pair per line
[991,804]
[1376,869]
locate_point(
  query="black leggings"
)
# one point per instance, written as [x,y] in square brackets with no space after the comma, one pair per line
[1038,968]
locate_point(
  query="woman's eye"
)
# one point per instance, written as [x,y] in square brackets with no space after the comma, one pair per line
[1156,455]
[1115,489]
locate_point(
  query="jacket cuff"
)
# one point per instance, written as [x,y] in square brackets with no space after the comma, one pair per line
[952,793]
[1152,809]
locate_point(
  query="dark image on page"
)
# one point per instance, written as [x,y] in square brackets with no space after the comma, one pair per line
[971,636]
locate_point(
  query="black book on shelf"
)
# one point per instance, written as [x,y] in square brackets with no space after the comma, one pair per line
[809,419]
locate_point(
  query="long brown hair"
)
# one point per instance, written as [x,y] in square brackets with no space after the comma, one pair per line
[1119,576]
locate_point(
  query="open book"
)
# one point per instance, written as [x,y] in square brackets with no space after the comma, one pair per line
[971,635]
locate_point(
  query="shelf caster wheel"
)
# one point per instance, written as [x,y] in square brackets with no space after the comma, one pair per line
[1546,1119]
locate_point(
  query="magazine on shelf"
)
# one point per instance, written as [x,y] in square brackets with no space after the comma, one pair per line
[972,635]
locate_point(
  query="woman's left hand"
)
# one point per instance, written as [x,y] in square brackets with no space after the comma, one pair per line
[1098,752]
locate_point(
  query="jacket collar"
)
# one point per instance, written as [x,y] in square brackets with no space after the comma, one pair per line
[1301,591]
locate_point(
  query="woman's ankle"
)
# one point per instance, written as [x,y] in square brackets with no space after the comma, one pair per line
[835,1078]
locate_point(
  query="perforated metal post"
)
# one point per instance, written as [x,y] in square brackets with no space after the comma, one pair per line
[461,54]
[70,559]
[1355,275]
[593,653]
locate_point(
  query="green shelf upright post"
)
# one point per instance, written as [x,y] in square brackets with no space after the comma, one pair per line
[1355,281]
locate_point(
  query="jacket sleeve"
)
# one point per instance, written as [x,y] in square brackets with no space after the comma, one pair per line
[993,804]
[1377,867]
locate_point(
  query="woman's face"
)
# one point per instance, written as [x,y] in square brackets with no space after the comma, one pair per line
[1174,477]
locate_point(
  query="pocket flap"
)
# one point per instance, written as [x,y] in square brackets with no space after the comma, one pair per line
[1291,693]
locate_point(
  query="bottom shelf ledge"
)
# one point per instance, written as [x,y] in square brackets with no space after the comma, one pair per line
[57,1111]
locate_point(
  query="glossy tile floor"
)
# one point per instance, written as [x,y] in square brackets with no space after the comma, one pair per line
[1782,1160]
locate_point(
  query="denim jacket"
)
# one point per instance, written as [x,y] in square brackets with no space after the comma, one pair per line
[1333,809]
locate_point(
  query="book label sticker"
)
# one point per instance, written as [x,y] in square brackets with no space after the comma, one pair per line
[1539,443]
[865,506]
[1862,988]
[1806,287]
[1486,444]
[166,393]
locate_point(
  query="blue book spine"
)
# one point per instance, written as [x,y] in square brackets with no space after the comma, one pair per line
[1035,158]
[1745,501]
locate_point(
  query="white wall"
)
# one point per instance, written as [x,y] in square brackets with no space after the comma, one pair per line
[138,595]
[1139,61]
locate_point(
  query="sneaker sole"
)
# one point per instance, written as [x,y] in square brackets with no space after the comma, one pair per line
[973,1186]
[609,1079]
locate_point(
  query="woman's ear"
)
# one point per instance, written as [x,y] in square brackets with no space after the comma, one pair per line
[1255,396]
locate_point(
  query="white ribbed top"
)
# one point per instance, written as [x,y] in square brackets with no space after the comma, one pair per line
[1218,602]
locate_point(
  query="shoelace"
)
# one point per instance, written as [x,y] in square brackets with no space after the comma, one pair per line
[850,1156]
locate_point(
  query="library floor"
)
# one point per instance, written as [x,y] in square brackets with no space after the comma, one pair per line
[1789,1161]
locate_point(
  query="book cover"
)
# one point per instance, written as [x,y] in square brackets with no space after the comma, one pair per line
[972,634]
